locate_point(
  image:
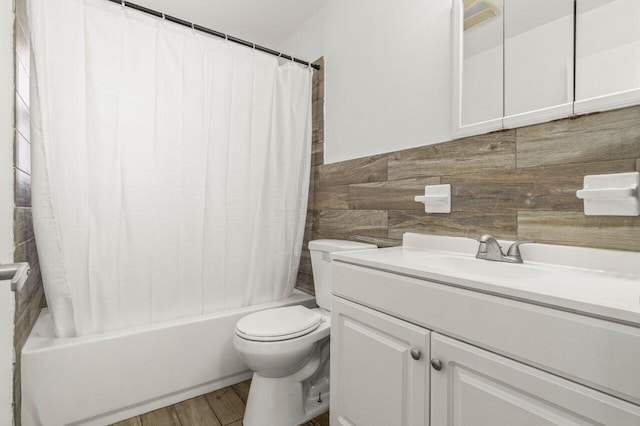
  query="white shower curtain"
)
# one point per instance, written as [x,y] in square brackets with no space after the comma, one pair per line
[170,168]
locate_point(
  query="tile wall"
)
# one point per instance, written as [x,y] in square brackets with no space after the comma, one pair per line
[513,184]
[31,298]
[305,280]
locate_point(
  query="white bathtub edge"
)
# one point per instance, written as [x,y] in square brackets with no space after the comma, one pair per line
[98,380]
[41,336]
[165,401]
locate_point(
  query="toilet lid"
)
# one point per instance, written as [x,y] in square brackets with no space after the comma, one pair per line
[278,324]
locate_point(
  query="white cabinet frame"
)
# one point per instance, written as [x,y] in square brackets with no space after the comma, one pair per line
[601,103]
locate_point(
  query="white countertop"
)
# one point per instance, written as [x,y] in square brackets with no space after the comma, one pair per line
[596,282]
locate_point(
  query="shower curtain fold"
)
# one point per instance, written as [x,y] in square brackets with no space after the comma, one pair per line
[170,172]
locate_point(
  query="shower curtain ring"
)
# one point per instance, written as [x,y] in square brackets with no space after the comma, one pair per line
[123,4]
[163,17]
[193,28]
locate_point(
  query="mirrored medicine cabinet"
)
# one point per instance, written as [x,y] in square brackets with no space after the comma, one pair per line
[521,62]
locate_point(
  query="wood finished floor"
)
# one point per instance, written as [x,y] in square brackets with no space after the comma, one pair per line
[224,407]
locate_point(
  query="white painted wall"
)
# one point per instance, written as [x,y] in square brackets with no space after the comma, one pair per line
[6,209]
[388,66]
[388,73]
[6,131]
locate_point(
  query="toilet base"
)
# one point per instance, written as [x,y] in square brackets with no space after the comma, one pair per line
[280,402]
[290,400]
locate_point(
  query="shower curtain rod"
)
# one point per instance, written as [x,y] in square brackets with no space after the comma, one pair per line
[213,32]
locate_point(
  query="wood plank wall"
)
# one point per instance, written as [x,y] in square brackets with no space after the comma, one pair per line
[513,184]
[31,298]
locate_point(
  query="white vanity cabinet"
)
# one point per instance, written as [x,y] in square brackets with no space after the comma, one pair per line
[484,359]
[477,387]
[380,368]
[376,380]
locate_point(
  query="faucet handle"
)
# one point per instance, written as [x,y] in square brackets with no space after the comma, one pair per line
[484,241]
[482,238]
[514,250]
[486,237]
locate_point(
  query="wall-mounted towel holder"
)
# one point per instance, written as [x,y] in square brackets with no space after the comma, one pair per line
[17,273]
[436,198]
[611,195]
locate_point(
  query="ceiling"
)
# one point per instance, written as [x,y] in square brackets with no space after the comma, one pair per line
[264,22]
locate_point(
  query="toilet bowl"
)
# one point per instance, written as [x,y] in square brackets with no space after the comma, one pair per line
[288,350]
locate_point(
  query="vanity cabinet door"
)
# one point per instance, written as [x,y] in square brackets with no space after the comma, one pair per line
[476,387]
[375,378]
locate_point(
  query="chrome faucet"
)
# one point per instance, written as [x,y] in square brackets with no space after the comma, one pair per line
[490,249]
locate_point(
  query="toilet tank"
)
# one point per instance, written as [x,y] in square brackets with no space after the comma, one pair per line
[321,265]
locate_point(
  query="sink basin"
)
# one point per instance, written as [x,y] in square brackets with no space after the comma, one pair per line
[457,265]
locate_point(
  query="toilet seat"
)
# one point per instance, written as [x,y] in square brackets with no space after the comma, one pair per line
[274,325]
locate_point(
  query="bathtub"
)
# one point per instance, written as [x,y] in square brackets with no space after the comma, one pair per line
[97,380]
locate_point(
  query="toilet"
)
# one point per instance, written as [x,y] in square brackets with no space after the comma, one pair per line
[288,350]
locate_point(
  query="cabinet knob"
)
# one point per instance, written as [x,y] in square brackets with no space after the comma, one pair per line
[436,364]
[415,353]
